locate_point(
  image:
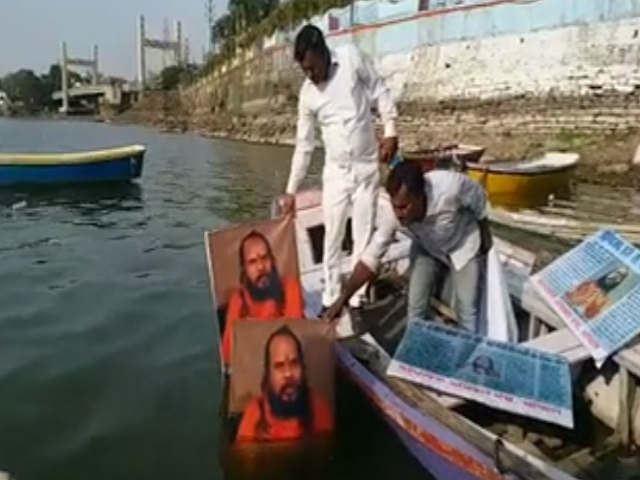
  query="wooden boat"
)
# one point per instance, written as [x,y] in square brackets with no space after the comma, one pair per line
[526,183]
[113,164]
[449,156]
[591,208]
[451,438]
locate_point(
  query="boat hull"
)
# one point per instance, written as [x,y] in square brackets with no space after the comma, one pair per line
[440,451]
[519,190]
[447,158]
[121,169]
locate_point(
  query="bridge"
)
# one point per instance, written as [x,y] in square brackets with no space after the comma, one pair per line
[90,98]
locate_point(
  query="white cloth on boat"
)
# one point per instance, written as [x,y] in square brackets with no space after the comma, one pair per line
[342,108]
[497,310]
[449,230]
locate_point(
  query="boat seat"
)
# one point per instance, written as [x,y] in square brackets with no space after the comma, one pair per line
[447,400]
[561,342]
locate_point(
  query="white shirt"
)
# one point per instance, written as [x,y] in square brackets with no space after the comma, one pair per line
[449,230]
[342,107]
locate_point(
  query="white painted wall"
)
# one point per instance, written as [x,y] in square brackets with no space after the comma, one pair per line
[574,60]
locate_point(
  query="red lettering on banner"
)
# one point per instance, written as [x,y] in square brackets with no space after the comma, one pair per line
[591,339]
[546,288]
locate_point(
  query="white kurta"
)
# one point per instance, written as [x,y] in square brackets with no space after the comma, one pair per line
[342,108]
[449,230]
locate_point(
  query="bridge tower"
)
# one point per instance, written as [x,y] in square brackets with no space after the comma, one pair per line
[174,46]
[65,61]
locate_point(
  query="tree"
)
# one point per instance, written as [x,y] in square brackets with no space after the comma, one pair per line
[172,76]
[25,86]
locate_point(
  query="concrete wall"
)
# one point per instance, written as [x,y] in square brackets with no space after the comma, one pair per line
[573,60]
[493,49]
[463,51]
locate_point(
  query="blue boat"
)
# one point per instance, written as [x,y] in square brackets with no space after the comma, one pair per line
[113,164]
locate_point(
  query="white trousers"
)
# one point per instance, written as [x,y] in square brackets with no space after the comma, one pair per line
[341,192]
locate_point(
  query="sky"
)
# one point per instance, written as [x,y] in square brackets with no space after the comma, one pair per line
[31,31]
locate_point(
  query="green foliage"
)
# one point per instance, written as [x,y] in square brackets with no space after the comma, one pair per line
[172,76]
[248,21]
[33,90]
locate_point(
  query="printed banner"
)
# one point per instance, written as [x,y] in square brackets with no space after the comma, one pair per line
[594,288]
[500,375]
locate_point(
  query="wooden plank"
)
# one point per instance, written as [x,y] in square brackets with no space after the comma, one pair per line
[534,327]
[629,358]
[446,401]
[477,436]
[561,342]
[627,388]
[532,302]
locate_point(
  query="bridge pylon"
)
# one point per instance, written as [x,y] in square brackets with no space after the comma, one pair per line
[65,61]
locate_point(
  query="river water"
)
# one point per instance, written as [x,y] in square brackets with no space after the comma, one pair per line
[107,343]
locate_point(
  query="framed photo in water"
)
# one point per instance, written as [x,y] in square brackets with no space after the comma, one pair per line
[283,379]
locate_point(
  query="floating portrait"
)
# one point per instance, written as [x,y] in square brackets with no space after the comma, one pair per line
[253,271]
[283,379]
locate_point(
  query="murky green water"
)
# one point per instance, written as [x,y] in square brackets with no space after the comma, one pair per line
[108,366]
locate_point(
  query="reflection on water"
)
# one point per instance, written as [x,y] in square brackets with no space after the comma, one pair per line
[108,354]
[361,447]
[83,199]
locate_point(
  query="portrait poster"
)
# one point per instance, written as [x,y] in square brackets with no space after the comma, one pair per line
[254,273]
[223,255]
[595,289]
[283,379]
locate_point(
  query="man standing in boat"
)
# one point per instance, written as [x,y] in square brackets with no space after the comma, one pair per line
[338,93]
[445,215]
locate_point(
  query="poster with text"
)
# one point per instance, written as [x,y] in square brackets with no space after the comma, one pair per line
[595,289]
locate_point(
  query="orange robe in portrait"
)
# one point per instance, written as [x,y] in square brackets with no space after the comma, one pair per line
[266,310]
[283,429]
[589,296]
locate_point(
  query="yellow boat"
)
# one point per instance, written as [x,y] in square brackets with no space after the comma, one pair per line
[527,183]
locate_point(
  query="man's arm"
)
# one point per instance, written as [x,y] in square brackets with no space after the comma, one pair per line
[305,144]
[381,95]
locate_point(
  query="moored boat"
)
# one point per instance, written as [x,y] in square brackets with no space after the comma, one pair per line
[526,183]
[449,156]
[113,164]
[451,437]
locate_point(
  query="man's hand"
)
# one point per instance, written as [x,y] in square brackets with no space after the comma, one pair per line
[287,204]
[486,240]
[333,312]
[388,148]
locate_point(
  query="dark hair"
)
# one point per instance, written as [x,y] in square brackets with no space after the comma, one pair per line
[252,234]
[408,174]
[310,38]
